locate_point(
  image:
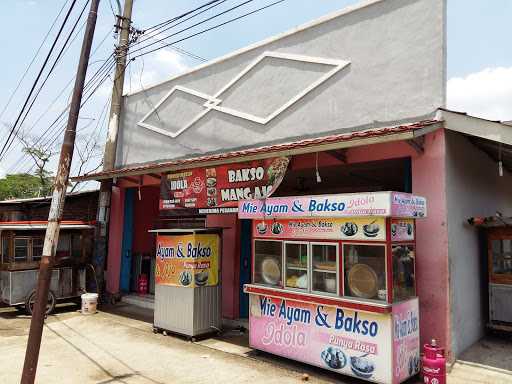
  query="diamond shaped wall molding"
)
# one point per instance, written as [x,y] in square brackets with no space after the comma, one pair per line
[214,102]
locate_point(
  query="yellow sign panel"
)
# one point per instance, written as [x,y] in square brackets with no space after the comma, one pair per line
[187,261]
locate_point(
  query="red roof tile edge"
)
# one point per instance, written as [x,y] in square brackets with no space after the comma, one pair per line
[269,148]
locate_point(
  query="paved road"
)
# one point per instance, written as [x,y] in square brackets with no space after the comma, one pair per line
[107,348]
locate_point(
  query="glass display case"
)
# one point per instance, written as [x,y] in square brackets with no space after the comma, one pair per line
[325,268]
[296,265]
[334,282]
[362,270]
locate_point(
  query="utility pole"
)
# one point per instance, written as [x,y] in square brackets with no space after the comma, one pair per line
[109,157]
[55,215]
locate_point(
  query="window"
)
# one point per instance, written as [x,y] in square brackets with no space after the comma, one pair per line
[21,248]
[404,286]
[502,256]
[5,249]
[268,262]
[297,264]
[325,267]
[365,271]
[63,247]
[76,246]
[37,248]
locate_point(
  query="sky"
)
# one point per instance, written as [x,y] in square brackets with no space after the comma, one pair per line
[479,59]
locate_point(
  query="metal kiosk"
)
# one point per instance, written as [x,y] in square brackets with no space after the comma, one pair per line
[187,278]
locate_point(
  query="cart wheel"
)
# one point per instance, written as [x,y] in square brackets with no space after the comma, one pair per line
[50,306]
[155,330]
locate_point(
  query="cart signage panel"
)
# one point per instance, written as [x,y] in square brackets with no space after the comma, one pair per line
[339,339]
[187,261]
[354,228]
[346,205]
[402,229]
[407,205]
[218,189]
[406,340]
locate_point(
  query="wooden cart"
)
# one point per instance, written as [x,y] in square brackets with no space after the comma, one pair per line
[21,250]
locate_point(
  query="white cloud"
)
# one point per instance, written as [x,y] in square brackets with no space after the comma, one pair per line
[171,61]
[2,173]
[486,94]
[155,68]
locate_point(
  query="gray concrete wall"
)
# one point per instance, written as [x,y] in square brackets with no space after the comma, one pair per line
[396,50]
[473,188]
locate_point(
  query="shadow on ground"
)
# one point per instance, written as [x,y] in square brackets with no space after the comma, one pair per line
[494,350]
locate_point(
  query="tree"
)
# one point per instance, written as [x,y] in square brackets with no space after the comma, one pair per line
[86,150]
[22,185]
[41,156]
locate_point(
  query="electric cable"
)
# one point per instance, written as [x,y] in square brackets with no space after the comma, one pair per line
[152,34]
[164,23]
[55,63]
[194,25]
[204,30]
[38,76]
[33,60]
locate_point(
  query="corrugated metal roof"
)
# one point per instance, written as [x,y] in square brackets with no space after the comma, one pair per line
[45,198]
[304,146]
[25,225]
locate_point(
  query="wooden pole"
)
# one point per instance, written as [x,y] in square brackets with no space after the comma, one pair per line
[55,215]
[109,157]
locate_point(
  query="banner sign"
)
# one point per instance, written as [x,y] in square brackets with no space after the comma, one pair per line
[218,189]
[188,260]
[407,205]
[402,230]
[343,205]
[406,340]
[354,228]
[338,339]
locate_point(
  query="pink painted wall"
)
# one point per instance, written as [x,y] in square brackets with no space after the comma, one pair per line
[230,262]
[145,213]
[429,180]
[114,240]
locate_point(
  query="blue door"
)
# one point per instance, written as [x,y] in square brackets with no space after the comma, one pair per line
[126,249]
[245,265]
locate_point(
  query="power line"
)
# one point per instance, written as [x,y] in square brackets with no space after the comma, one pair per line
[38,76]
[58,124]
[164,23]
[62,114]
[205,30]
[193,25]
[156,32]
[56,61]
[33,60]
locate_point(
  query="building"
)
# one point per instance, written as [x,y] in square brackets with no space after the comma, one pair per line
[356,102]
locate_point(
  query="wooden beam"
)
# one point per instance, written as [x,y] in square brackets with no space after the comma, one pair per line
[133,180]
[417,144]
[154,176]
[339,154]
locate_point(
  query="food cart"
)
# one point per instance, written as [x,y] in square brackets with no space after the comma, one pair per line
[188,287]
[21,250]
[333,282]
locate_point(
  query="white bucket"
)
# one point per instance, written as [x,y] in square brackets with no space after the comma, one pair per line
[89,303]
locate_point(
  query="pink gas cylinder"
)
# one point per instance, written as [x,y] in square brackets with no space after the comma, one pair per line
[433,364]
[142,284]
